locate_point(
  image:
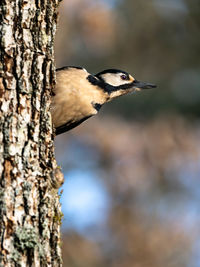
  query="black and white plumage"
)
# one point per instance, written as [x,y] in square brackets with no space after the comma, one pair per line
[79,95]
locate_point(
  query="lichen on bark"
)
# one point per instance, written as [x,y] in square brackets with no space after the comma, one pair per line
[29,201]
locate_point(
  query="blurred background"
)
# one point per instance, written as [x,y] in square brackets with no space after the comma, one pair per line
[132,174]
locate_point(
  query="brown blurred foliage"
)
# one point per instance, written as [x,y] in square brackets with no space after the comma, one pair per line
[78,251]
[142,164]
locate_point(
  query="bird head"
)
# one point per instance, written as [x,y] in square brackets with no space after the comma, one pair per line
[117,83]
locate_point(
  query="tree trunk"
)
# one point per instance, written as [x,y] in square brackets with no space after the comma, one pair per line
[29,178]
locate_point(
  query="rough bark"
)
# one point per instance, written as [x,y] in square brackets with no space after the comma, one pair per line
[29,203]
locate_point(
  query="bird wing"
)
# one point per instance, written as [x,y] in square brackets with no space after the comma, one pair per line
[70,125]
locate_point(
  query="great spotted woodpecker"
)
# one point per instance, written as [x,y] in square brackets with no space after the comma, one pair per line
[78,95]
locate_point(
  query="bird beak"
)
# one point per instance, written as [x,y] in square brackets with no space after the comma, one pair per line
[142,85]
[133,87]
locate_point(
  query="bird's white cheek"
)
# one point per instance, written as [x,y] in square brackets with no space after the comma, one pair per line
[114,80]
[116,94]
[123,92]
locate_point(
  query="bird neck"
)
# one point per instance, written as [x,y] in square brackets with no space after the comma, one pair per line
[107,88]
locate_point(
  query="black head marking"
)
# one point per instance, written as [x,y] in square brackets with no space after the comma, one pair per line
[98,82]
[114,71]
[110,88]
[93,80]
[111,71]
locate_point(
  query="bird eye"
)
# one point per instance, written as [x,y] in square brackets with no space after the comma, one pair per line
[124,77]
